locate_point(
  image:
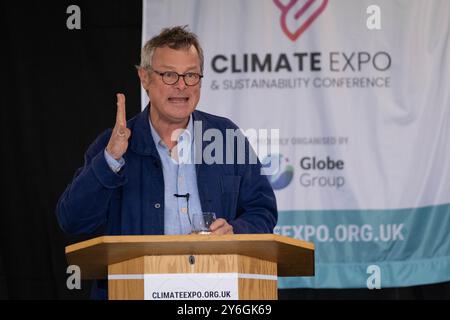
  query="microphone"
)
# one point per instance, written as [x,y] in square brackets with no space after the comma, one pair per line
[182,195]
[186,195]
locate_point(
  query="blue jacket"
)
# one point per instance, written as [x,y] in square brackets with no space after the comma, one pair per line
[131,202]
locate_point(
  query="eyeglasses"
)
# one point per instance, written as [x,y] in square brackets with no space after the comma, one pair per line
[171,77]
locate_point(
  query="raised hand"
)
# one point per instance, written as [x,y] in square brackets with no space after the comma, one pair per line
[118,143]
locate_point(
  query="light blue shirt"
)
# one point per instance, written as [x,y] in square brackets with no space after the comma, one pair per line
[180,177]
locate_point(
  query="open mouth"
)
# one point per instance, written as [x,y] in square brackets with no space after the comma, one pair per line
[178,99]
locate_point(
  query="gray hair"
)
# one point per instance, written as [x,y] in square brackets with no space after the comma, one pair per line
[175,38]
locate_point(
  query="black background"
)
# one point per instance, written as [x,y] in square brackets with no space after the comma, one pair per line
[58,94]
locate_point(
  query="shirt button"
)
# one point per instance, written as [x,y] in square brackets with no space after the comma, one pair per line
[157,205]
[184,210]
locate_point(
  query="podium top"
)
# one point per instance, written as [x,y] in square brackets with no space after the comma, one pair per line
[293,257]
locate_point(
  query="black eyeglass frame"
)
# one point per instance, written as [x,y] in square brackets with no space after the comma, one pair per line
[183,75]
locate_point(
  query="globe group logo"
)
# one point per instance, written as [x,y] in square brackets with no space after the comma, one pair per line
[283,176]
[298,15]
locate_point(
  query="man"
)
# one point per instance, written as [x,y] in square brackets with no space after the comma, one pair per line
[136,178]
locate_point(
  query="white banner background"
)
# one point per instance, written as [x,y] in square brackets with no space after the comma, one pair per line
[392,138]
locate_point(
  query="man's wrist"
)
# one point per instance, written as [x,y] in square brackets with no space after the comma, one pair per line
[114,164]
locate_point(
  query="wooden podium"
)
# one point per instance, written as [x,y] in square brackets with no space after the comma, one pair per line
[205,267]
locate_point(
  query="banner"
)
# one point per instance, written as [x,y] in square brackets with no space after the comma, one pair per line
[360,95]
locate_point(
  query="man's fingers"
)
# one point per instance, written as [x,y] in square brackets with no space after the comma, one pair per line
[123,132]
[217,224]
[221,226]
[121,119]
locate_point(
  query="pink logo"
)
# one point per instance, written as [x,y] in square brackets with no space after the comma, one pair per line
[296,32]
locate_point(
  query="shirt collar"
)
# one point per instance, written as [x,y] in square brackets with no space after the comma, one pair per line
[186,136]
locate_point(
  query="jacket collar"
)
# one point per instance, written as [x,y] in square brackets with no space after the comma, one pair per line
[141,138]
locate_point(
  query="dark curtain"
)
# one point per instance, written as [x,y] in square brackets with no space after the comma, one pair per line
[58,94]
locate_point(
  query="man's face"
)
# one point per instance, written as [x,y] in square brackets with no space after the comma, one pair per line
[172,103]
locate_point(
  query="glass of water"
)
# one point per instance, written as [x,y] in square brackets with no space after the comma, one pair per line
[202,221]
